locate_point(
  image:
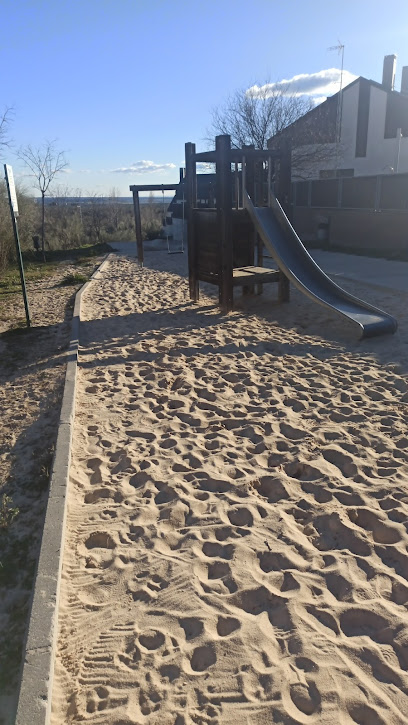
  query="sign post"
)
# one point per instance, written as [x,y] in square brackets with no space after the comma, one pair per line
[11,189]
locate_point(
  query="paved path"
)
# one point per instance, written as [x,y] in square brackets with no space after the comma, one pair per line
[383,272]
[367,269]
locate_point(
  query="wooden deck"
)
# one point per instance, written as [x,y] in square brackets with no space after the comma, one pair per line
[243,276]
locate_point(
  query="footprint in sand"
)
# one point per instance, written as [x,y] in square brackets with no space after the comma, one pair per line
[294,434]
[227,625]
[100,540]
[102,495]
[102,700]
[170,672]
[147,591]
[212,549]
[270,488]
[216,578]
[303,471]
[131,655]
[192,626]
[363,713]
[305,697]
[152,639]
[241,516]
[343,462]
[334,534]
[370,521]
[95,465]
[203,657]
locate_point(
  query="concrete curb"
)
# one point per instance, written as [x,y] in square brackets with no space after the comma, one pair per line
[34,702]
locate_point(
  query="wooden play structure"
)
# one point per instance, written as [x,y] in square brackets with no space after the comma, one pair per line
[224,248]
[247,209]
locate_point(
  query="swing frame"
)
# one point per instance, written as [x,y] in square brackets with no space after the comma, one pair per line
[175,251]
[136,206]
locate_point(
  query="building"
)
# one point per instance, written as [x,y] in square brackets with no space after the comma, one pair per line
[360,131]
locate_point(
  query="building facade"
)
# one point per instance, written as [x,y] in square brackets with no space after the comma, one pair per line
[360,131]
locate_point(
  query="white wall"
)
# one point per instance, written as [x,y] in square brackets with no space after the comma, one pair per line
[382,154]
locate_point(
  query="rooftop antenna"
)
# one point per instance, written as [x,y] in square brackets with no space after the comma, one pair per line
[340,49]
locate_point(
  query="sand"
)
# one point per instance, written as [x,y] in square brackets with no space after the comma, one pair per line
[32,371]
[236,547]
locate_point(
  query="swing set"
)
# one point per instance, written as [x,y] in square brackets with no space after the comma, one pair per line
[138,222]
[180,249]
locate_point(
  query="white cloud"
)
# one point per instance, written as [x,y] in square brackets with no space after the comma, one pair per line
[203,167]
[317,100]
[143,167]
[323,83]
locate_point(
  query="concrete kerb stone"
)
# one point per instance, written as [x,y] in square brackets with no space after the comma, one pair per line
[34,703]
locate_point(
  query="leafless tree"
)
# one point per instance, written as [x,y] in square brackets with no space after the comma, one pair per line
[5,120]
[44,162]
[262,113]
[96,214]
[253,118]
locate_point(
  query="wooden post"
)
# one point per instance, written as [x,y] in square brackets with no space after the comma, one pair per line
[284,194]
[250,188]
[191,186]
[138,225]
[224,219]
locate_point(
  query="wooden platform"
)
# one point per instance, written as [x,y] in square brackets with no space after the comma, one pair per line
[243,276]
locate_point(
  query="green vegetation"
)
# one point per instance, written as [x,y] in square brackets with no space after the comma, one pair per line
[76,278]
[7,512]
[82,228]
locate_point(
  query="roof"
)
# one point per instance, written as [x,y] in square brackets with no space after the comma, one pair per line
[329,106]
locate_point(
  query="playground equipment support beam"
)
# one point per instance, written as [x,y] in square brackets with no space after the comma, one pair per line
[154,187]
[191,186]
[138,225]
[224,220]
[236,155]
[284,193]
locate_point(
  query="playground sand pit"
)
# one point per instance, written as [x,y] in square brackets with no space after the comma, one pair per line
[236,546]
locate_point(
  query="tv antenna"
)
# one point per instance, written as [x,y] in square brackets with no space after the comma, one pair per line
[340,49]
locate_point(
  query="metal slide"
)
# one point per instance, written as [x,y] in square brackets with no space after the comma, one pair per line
[281,240]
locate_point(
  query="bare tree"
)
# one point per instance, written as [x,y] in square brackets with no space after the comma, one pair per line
[44,162]
[5,120]
[253,117]
[266,116]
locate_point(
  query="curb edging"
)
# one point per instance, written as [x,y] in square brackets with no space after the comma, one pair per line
[34,700]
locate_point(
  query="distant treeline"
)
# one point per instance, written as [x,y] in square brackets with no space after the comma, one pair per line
[73,200]
[71,221]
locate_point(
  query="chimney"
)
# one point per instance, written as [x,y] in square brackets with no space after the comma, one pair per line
[388,78]
[404,80]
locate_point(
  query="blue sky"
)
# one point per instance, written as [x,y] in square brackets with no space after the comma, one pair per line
[119,82]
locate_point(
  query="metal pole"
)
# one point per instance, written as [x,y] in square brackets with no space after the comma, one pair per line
[18,252]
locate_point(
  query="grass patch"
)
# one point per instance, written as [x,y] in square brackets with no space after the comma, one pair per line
[35,269]
[74,278]
[7,512]
[84,252]
[10,282]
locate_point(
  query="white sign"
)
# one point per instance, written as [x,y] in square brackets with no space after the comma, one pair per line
[11,188]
